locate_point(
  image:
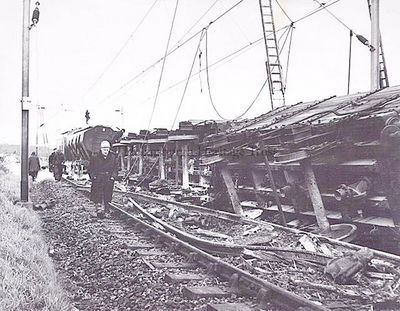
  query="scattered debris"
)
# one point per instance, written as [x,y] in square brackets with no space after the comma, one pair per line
[341,270]
[308,243]
[212,234]
[251,230]
[253,213]
[44,205]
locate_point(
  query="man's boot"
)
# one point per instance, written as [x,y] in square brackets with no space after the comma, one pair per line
[106,208]
[99,210]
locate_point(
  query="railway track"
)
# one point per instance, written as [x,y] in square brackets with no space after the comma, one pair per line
[291,281]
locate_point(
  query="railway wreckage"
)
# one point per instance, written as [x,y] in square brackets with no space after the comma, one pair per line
[330,161]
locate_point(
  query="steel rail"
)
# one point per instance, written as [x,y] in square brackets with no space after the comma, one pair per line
[235,218]
[217,247]
[242,279]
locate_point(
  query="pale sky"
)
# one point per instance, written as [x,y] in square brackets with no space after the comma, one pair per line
[75,40]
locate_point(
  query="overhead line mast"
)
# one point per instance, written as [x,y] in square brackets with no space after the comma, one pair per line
[379,76]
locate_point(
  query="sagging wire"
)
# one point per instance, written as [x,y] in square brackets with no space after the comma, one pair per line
[289,50]
[160,78]
[194,25]
[220,62]
[360,38]
[198,51]
[210,95]
[208,82]
[170,52]
[163,65]
[122,48]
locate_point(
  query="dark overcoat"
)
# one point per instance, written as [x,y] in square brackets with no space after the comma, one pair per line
[102,171]
[33,164]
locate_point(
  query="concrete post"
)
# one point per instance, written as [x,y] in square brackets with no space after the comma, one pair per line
[25,95]
[375,39]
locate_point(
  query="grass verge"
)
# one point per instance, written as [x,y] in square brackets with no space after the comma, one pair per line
[27,276]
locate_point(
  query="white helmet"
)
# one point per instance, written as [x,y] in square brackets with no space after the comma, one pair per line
[105,144]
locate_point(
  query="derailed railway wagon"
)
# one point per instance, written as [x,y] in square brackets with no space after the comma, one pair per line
[331,161]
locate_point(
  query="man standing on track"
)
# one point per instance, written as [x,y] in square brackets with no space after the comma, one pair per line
[103,170]
[58,164]
[33,165]
[51,160]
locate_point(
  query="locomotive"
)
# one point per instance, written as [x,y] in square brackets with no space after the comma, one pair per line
[79,145]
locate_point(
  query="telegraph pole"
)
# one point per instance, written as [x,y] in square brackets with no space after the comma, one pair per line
[375,39]
[25,101]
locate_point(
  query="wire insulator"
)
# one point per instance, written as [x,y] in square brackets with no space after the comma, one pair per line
[35,16]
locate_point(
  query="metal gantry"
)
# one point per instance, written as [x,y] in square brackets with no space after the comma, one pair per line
[273,64]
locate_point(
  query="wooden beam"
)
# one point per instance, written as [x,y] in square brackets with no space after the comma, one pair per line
[185,171]
[140,164]
[122,155]
[275,191]
[315,195]
[129,158]
[257,177]
[292,179]
[176,164]
[230,187]
[161,166]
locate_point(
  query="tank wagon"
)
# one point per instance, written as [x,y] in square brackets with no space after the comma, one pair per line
[81,144]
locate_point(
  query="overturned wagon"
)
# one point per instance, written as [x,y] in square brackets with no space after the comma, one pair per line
[336,159]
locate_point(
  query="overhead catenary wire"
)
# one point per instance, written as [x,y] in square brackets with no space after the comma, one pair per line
[196,22]
[210,96]
[180,103]
[169,53]
[122,47]
[221,61]
[112,94]
[188,78]
[289,52]
[219,17]
[283,10]
[163,64]
[247,45]
[360,38]
[190,74]
[161,73]
[328,4]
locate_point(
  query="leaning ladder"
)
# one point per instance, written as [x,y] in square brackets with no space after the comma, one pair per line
[273,65]
[383,76]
